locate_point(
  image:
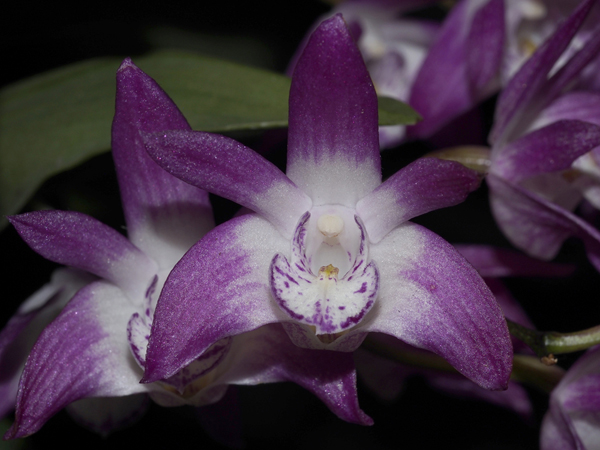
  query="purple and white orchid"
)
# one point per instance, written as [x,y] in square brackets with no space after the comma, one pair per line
[540,135]
[91,357]
[329,251]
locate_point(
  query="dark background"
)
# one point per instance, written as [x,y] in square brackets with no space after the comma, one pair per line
[40,36]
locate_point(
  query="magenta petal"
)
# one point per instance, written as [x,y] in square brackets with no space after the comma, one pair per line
[573,68]
[579,105]
[549,149]
[432,298]
[22,330]
[220,288]
[440,91]
[82,353]
[229,169]
[425,185]
[532,76]
[485,46]
[267,355]
[158,207]
[536,225]
[77,240]
[333,119]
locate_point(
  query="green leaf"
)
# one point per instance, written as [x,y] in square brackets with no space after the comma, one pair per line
[394,112]
[56,120]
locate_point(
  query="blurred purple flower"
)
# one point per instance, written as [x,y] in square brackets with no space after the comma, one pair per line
[542,131]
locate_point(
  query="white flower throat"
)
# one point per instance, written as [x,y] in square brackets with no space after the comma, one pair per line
[329,283]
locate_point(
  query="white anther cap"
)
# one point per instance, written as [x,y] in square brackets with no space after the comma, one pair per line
[330,225]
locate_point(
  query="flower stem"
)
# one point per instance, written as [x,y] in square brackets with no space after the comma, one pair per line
[545,343]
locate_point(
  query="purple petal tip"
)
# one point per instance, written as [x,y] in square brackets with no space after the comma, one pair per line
[127,62]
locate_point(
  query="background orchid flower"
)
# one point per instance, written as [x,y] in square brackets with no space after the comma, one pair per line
[330,252]
[20,333]
[96,347]
[538,136]
[572,422]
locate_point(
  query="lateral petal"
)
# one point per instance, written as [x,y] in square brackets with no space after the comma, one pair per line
[229,169]
[432,298]
[83,353]
[424,185]
[78,240]
[220,288]
[165,216]
[549,149]
[333,143]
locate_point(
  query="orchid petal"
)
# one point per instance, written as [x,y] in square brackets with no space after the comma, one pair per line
[485,47]
[550,149]
[557,433]
[20,333]
[497,262]
[431,298]
[572,421]
[82,353]
[333,149]
[440,91]
[77,240]
[165,216]
[329,304]
[422,186]
[229,169]
[536,225]
[105,415]
[532,76]
[574,66]
[267,355]
[584,106]
[215,291]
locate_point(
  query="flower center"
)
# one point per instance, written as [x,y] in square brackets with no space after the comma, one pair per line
[338,294]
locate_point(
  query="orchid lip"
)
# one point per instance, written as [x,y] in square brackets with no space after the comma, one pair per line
[339,294]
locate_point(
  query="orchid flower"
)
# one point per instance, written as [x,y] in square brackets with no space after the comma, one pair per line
[386,377]
[573,420]
[96,347]
[329,251]
[538,136]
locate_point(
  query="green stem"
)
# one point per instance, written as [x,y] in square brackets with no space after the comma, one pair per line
[544,343]
[572,342]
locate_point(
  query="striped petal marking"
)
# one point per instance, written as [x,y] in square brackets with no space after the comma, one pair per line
[329,283]
[189,380]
